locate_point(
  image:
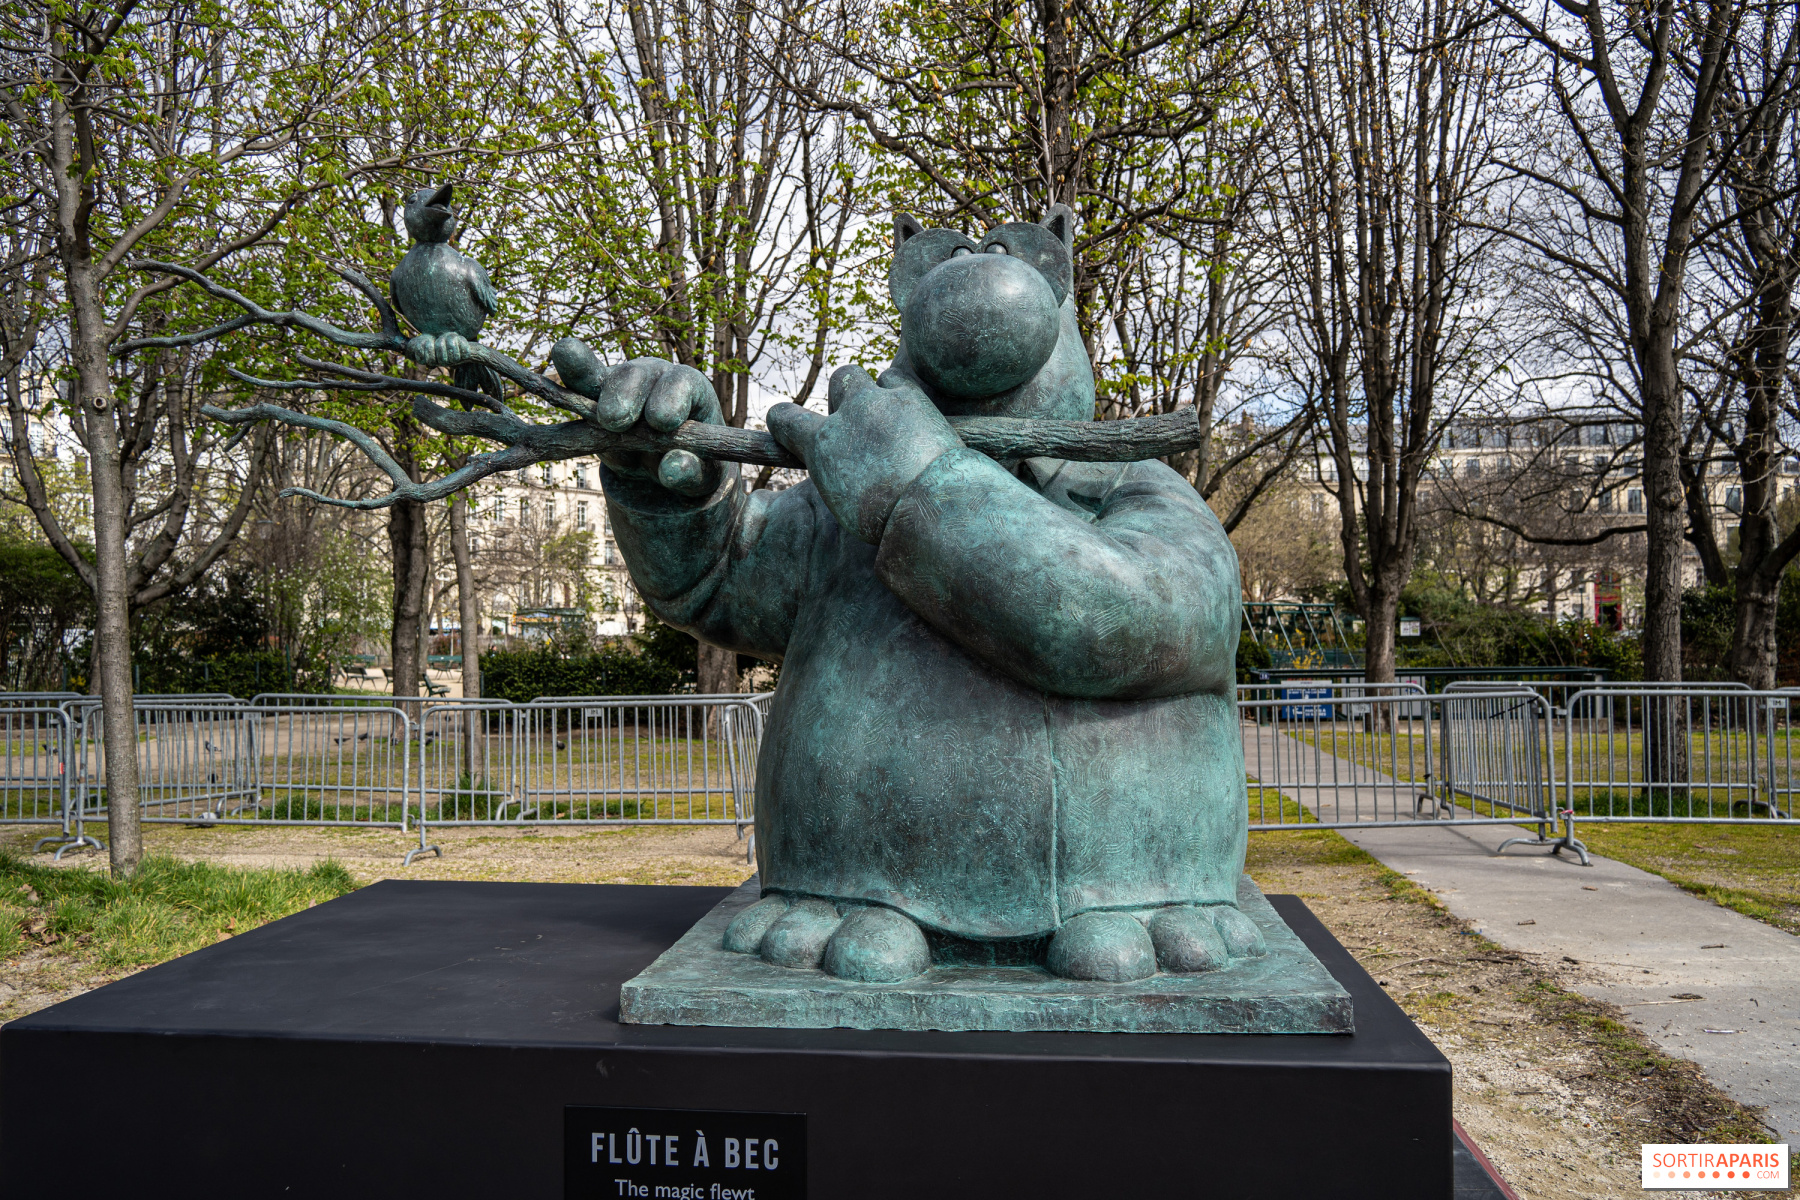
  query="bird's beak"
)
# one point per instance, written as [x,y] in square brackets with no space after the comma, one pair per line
[441,197]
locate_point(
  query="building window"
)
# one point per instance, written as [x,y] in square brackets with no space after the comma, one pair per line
[581,514]
[1734,499]
[1606,500]
[612,552]
[1472,468]
[544,474]
[581,475]
[1634,500]
[524,510]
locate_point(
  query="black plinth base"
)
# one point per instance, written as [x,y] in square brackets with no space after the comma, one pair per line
[429,1039]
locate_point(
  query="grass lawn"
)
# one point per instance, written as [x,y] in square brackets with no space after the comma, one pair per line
[167,909]
[1751,869]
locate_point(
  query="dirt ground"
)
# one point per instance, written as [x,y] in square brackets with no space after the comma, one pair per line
[1556,1089]
[699,855]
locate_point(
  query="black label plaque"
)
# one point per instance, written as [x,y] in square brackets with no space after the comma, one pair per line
[682,1154]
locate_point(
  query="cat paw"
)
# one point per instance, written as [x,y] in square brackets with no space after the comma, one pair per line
[1242,938]
[1103,946]
[1186,939]
[746,932]
[877,945]
[798,937]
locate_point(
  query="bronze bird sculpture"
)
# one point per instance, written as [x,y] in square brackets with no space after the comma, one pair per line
[443,292]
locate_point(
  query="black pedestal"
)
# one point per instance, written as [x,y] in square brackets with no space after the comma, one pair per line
[429,1039]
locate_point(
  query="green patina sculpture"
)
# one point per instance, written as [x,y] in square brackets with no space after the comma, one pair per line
[444,293]
[1002,784]
[1006,726]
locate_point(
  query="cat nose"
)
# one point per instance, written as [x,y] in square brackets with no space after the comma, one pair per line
[978,325]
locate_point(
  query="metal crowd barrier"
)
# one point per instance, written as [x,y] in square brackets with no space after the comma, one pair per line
[1326,697]
[1700,754]
[193,757]
[36,699]
[598,760]
[330,765]
[1485,753]
[1373,761]
[217,763]
[1317,756]
[1593,697]
[1350,760]
[34,779]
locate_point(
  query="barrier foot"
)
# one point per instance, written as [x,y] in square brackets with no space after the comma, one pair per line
[1567,841]
[414,853]
[65,844]
[1537,839]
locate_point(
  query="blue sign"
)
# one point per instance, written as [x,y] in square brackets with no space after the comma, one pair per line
[1306,689]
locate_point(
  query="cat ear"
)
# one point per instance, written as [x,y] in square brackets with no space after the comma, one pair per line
[1038,246]
[904,228]
[916,253]
[1060,220]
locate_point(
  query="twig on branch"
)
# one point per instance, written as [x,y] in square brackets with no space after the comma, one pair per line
[1536,540]
[388,339]
[368,381]
[515,457]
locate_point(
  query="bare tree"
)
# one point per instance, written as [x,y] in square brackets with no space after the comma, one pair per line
[320,568]
[983,114]
[1186,310]
[1745,407]
[721,218]
[1635,90]
[1390,110]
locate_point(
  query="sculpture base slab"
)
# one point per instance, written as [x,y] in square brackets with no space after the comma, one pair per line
[699,982]
[434,1040]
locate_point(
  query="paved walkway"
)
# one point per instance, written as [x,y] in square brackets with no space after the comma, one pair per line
[1643,940]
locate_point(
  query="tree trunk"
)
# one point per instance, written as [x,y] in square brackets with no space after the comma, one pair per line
[468,616]
[1381,624]
[468,609]
[406,542]
[112,624]
[717,670]
[1381,621]
[1665,510]
[426,609]
[1665,515]
[1753,648]
[1694,482]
